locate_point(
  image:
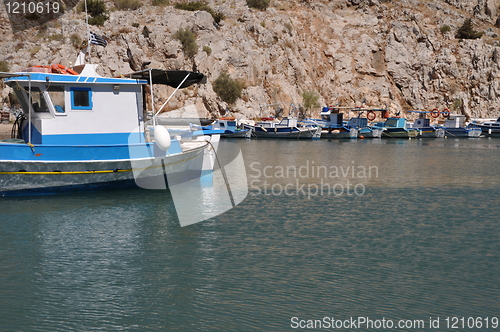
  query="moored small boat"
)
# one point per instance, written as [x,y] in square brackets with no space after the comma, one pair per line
[454,126]
[231,128]
[396,127]
[489,128]
[81,131]
[286,128]
[426,130]
[334,126]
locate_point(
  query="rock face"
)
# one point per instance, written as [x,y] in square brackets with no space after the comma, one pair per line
[394,53]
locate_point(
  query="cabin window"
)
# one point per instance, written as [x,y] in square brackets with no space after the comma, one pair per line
[56,94]
[391,122]
[81,98]
[38,101]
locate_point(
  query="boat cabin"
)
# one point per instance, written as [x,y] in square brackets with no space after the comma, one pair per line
[332,117]
[455,121]
[226,124]
[284,123]
[395,122]
[79,109]
[357,123]
[421,123]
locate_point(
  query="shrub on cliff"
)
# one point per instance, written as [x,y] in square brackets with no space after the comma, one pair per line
[161,3]
[228,89]
[127,4]
[97,10]
[258,4]
[4,66]
[310,99]
[467,32]
[195,6]
[188,41]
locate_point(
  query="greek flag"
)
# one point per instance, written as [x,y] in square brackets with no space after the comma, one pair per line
[97,40]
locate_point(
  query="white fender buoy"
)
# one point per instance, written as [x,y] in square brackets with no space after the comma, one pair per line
[162,137]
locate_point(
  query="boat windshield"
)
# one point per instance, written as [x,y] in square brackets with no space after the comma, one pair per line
[56,94]
[391,122]
[38,101]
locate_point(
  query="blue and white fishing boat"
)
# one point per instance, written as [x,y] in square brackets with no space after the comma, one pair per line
[455,126]
[81,131]
[286,128]
[396,127]
[489,128]
[231,128]
[426,129]
[334,126]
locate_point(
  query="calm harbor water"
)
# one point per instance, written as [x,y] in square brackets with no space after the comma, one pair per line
[412,236]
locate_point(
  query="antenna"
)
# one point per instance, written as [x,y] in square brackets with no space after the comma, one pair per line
[88,31]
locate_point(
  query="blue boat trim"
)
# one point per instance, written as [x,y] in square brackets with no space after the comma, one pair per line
[58,78]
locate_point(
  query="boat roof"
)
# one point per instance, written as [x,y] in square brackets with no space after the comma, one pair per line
[65,78]
[171,78]
[158,76]
[8,75]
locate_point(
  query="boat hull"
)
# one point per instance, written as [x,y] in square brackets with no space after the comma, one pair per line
[489,130]
[400,133]
[294,133]
[431,132]
[48,177]
[371,133]
[236,134]
[463,132]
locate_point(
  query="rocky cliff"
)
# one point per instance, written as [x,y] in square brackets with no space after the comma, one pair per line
[402,54]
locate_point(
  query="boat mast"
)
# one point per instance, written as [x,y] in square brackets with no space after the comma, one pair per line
[30,106]
[88,33]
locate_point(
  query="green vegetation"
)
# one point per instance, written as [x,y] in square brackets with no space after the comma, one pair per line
[75,40]
[467,32]
[207,50]
[258,4]
[310,99]
[188,41]
[457,105]
[57,36]
[4,66]
[97,10]
[228,89]
[161,3]
[127,4]
[135,25]
[194,6]
[445,28]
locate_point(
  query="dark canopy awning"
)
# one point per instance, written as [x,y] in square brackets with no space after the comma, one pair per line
[170,77]
[9,75]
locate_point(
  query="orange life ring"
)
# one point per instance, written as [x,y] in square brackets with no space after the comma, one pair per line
[435,113]
[71,71]
[228,118]
[58,68]
[445,113]
[371,115]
